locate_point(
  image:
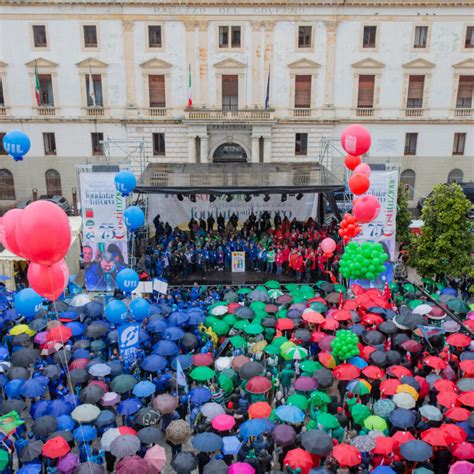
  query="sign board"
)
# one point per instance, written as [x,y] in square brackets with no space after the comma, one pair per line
[238,262]
[160,286]
[128,342]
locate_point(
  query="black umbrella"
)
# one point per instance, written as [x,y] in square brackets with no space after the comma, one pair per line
[294,313]
[284,435]
[326,287]
[184,462]
[251,369]
[116,367]
[112,337]
[387,327]
[373,338]
[468,355]
[402,418]
[81,344]
[97,329]
[24,357]
[52,371]
[89,468]
[91,394]
[21,340]
[44,426]
[378,358]
[67,435]
[394,357]
[12,405]
[207,442]
[216,466]
[244,312]
[189,341]
[147,416]
[399,339]
[150,435]
[231,296]
[30,451]
[269,322]
[93,309]
[302,335]
[324,377]
[38,324]
[409,380]
[18,373]
[59,306]
[317,442]
[62,356]
[416,451]
[79,376]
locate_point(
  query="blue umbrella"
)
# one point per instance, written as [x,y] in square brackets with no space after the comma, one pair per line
[106,417]
[154,309]
[12,388]
[60,406]
[449,291]
[30,469]
[255,427]
[154,363]
[290,414]
[65,423]
[76,328]
[465,426]
[165,348]
[156,326]
[39,409]
[3,380]
[196,317]
[129,406]
[4,278]
[177,318]
[71,315]
[358,329]
[186,361]
[143,336]
[231,445]
[416,450]
[200,395]
[81,354]
[383,470]
[358,362]
[173,333]
[93,309]
[207,442]
[85,433]
[32,388]
[144,389]
[165,309]
[10,315]
[4,353]
[402,418]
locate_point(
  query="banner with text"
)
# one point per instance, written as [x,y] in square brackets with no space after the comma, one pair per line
[128,342]
[179,213]
[104,242]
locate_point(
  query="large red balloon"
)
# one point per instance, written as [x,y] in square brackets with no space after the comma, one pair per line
[363,168]
[352,161]
[48,281]
[10,223]
[43,233]
[356,140]
[366,209]
[359,183]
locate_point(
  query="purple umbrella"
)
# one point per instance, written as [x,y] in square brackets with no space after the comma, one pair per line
[305,384]
[67,463]
[284,435]
[325,343]
[41,337]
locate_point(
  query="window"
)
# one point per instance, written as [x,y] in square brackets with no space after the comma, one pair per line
[455,176]
[370,33]
[154,36]
[410,143]
[408,178]
[229,152]
[421,37]
[233,41]
[46,90]
[465,90]
[2,150]
[156,91]
[159,144]
[230,93]
[97,139]
[39,36]
[2,97]
[304,36]
[49,142]
[302,92]
[416,84]
[365,98]
[53,183]
[459,143]
[94,90]
[7,186]
[90,36]
[301,144]
[469,41]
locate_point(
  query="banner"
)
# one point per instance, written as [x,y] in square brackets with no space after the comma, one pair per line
[128,342]
[104,243]
[179,213]
[238,262]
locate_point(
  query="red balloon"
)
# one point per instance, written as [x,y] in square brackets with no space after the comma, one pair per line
[10,223]
[328,245]
[367,209]
[352,161]
[363,168]
[43,233]
[355,140]
[359,183]
[48,281]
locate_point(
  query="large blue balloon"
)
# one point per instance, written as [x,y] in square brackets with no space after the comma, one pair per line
[125,182]
[28,302]
[134,217]
[17,144]
[116,312]
[127,280]
[140,309]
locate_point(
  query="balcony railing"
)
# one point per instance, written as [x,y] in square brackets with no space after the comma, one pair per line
[97,111]
[46,111]
[298,112]
[245,114]
[463,112]
[413,112]
[364,112]
[157,111]
[3,110]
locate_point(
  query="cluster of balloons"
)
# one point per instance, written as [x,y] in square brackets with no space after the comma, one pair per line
[41,234]
[16,144]
[349,228]
[116,312]
[366,208]
[328,246]
[365,261]
[345,345]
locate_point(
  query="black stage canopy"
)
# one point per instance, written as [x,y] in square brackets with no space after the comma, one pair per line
[237,178]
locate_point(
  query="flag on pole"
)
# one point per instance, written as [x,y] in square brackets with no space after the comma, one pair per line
[180,376]
[37,87]
[267,97]
[90,87]
[190,85]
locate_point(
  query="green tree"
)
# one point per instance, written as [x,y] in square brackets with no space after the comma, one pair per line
[444,246]
[403,216]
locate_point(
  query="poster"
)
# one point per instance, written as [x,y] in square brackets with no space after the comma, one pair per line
[238,262]
[128,342]
[104,242]
[179,213]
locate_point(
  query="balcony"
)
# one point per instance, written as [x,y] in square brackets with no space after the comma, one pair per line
[46,111]
[243,114]
[302,112]
[364,112]
[463,112]
[413,112]
[97,111]
[157,112]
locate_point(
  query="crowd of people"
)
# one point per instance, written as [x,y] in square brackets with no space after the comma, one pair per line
[274,246]
[242,381]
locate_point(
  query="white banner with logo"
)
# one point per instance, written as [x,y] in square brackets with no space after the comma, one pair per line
[384,186]
[104,232]
[179,213]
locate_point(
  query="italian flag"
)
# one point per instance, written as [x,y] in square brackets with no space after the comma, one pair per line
[190,84]
[37,87]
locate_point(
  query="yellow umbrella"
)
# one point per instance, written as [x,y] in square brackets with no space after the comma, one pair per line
[259,346]
[22,329]
[405,388]
[286,346]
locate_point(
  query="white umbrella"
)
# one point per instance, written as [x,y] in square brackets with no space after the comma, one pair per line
[404,400]
[223,363]
[99,370]
[422,309]
[86,413]
[219,310]
[108,437]
[211,410]
[80,300]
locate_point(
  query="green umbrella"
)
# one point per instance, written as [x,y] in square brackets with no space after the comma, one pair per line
[261,288]
[260,314]
[238,342]
[440,286]
[393,286]
[298,400]
[258,306]
[435,296]
[253,329]
[275,293]
[202,374]
[123,383]
[299,298]
[279,341]
[320,398]
[241,324]
[3,459]
[225,383]
[230,319]
[409,288]
[221,328]
[291,286]
[414,303]
[281,313]
[272,349]
[340,288]
[210,320]
[272,284]
[318,306]
[458,306]
[326,420]
[295,353]
[359,413]
[310,366]
[375,422]
[244,291]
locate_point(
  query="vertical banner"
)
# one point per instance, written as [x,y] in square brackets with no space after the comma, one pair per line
[238,262]
[104,243]
[128,342]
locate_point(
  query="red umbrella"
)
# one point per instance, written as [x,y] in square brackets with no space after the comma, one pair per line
[299,459]
[373,372]
[424,386]
[402,437]
[231,307]
[366,351]
[350,305]
[330,324]
[383,445]
[436,437]
[347,455]
[445,385]
[435,362]
[342,315]
[455,432]
[463,450]
[271,308]
[389,387]
[305,384]
[458,340]
[100,383]
[260,410]
[313,317]
[258,385]
[56,447]
[346,372]
[79,364]
[126,430]
[285,324]
[412,346]
[370,319]
[223,422]
[447,399]
[316,336]
[60,334]
[325,343]
[316,299]
[467,398]
[458,414]
[203,360]
[398,371]
[467,366]
[437,312]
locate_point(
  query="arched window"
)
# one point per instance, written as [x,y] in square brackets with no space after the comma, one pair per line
[7,185]
[408,179]
[228,152]
[53,183]
[455,176]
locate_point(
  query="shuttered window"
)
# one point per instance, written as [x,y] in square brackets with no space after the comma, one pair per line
[53,183]
[416,85]
[465,90]
[230,93]
[365,98]
[156,87]
[302,92]
[7,185]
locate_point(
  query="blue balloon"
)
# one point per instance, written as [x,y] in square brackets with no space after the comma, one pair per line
[140,309]
[125,182]
[116,312]
[134,217]
[127,280]
[17,144]
[28,302]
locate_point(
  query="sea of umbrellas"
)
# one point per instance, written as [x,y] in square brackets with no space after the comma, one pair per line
[263,390]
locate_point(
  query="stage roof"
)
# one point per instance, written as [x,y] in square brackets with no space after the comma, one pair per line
[237,178]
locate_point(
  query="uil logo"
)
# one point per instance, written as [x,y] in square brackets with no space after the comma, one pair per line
[129,337]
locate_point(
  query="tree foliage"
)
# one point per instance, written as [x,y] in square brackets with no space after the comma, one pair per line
[403,216]
[444,246]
